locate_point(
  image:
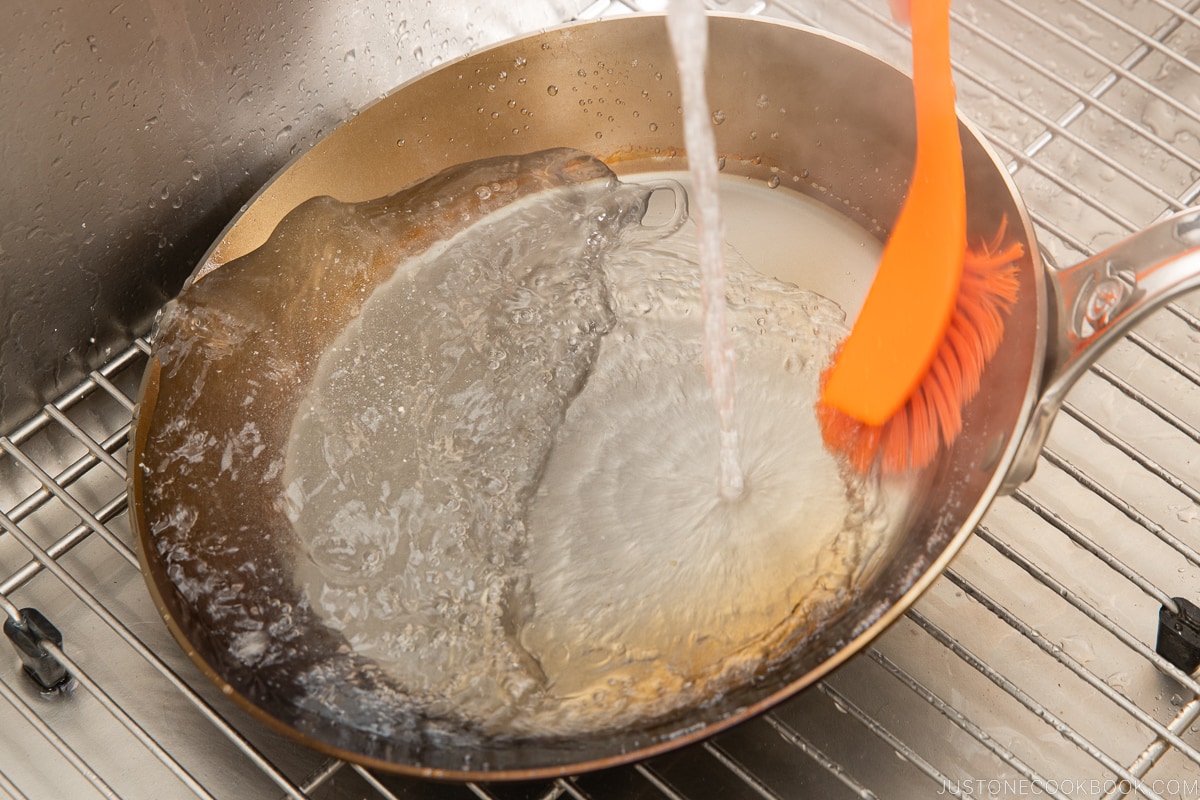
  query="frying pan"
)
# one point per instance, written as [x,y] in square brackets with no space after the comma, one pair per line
[802,109]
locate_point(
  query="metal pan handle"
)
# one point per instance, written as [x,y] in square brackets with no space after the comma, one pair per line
[1095,303]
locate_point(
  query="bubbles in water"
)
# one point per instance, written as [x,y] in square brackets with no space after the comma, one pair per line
[682,589]
[438,528]
[550,357]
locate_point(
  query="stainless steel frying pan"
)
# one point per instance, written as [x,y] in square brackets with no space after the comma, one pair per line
[802,110]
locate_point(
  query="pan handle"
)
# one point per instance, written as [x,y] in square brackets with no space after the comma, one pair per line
[1098,301]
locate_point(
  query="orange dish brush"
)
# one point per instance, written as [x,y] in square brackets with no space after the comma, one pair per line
[934,313]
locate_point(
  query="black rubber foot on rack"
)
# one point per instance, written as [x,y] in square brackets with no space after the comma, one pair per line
[1179,635]
[27,636]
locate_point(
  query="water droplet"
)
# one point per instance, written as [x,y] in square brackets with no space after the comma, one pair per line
[545,45]
[495,115]
[552,90]
[753,135]
[512,103]
[653,126]
[718,117]
[773,182]
[721,163]
[418,53]
[503,76]
[520,61]
[658,76]
[599,135]
[401,142]
[582,73]
[483,192]
[349,57]
[195,175]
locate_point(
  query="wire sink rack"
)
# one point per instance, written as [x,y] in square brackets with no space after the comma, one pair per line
[1029,668]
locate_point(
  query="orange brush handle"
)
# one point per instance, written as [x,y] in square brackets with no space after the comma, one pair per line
[911,301]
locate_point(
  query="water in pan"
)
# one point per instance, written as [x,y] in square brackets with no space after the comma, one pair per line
[505,475]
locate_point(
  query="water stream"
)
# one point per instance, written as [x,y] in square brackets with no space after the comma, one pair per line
[688,29]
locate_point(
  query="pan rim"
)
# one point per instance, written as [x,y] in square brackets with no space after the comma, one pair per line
[148,396]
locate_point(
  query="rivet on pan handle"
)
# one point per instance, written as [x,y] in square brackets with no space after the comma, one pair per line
[655,230]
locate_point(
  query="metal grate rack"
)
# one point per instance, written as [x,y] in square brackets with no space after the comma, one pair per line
[1029,668]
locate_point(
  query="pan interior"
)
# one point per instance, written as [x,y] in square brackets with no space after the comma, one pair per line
[823,173]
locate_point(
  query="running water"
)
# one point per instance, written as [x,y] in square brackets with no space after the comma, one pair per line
[688,29]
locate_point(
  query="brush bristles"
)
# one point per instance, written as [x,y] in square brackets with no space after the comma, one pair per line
[932,416]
